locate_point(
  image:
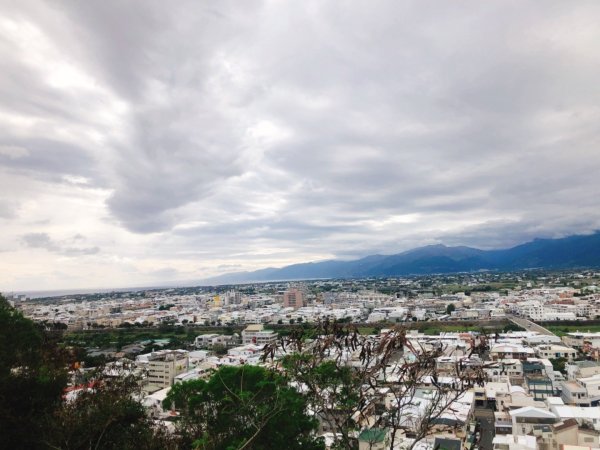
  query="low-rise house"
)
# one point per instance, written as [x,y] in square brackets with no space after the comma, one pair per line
[256,334]
[508,351]
[566,434]
[153,403]
[539,386]
[572,393]
[502,422]
[213,339]
[588,438]
[592,387]
[512,442]
[552,351]
[539,339]
[582,369]
[585,416]
[193,374]
[581,339]
[526,420]
[518,398]
[495,390]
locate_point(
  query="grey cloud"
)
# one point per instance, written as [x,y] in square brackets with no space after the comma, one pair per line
[170,170]
[506,234]
[228,267]
[72,251]
[164,274]
[480,120]
[8,208]
[51,160]
[67,247]
[39,240]
[183,138]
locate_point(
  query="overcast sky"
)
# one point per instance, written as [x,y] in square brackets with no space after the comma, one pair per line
[151,141]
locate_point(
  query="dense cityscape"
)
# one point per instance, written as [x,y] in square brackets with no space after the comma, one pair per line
[539,386]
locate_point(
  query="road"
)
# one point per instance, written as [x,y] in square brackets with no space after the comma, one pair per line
[529,325]
[485,419]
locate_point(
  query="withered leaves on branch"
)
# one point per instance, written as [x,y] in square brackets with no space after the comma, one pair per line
[354,381]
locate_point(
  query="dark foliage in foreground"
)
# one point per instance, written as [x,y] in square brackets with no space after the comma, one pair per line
[33,411]
[245,407]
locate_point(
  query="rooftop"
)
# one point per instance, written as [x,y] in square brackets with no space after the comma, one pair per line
[586,364]
[373,435]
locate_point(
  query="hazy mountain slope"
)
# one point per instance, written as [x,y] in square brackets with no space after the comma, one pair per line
[573,251]
[570,252]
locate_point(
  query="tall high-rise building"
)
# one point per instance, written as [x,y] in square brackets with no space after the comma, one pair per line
[232,297]
[294,298]
[164,366]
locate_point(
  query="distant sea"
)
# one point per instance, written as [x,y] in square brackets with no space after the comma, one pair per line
[67,292]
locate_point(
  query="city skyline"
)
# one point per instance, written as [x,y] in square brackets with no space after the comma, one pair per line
[144,142]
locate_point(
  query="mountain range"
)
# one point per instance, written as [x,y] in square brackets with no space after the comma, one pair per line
[565,253]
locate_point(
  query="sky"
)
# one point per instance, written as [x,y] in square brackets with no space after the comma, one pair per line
[144,142]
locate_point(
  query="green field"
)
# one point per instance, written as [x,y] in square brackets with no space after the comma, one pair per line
[488,287]
[561,330]
[433,328]
[365,331]
[181,336]
[119,337]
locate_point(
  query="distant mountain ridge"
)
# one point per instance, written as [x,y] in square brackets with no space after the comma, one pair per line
[565,253]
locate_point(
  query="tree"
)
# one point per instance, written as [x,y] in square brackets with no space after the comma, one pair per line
[32,378]
[353,381]
[246,407]
[105,415]
[450,308]
[219,349]
[33,381]
[559,364]
[512,327]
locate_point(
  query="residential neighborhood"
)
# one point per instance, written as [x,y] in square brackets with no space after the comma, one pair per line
[539,389]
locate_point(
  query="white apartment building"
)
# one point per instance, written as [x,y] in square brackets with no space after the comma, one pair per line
[551,351]
[582,369]
[164,366]
[591,385]
[580,339]
[212,339]
[537,310]
[256,334]
[525,420]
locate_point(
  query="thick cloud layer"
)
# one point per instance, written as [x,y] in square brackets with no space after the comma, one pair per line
[188,139]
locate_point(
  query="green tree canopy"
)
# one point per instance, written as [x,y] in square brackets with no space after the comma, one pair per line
[105,415]
[245,407]
[559,364]
[32,378]
[33,411]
